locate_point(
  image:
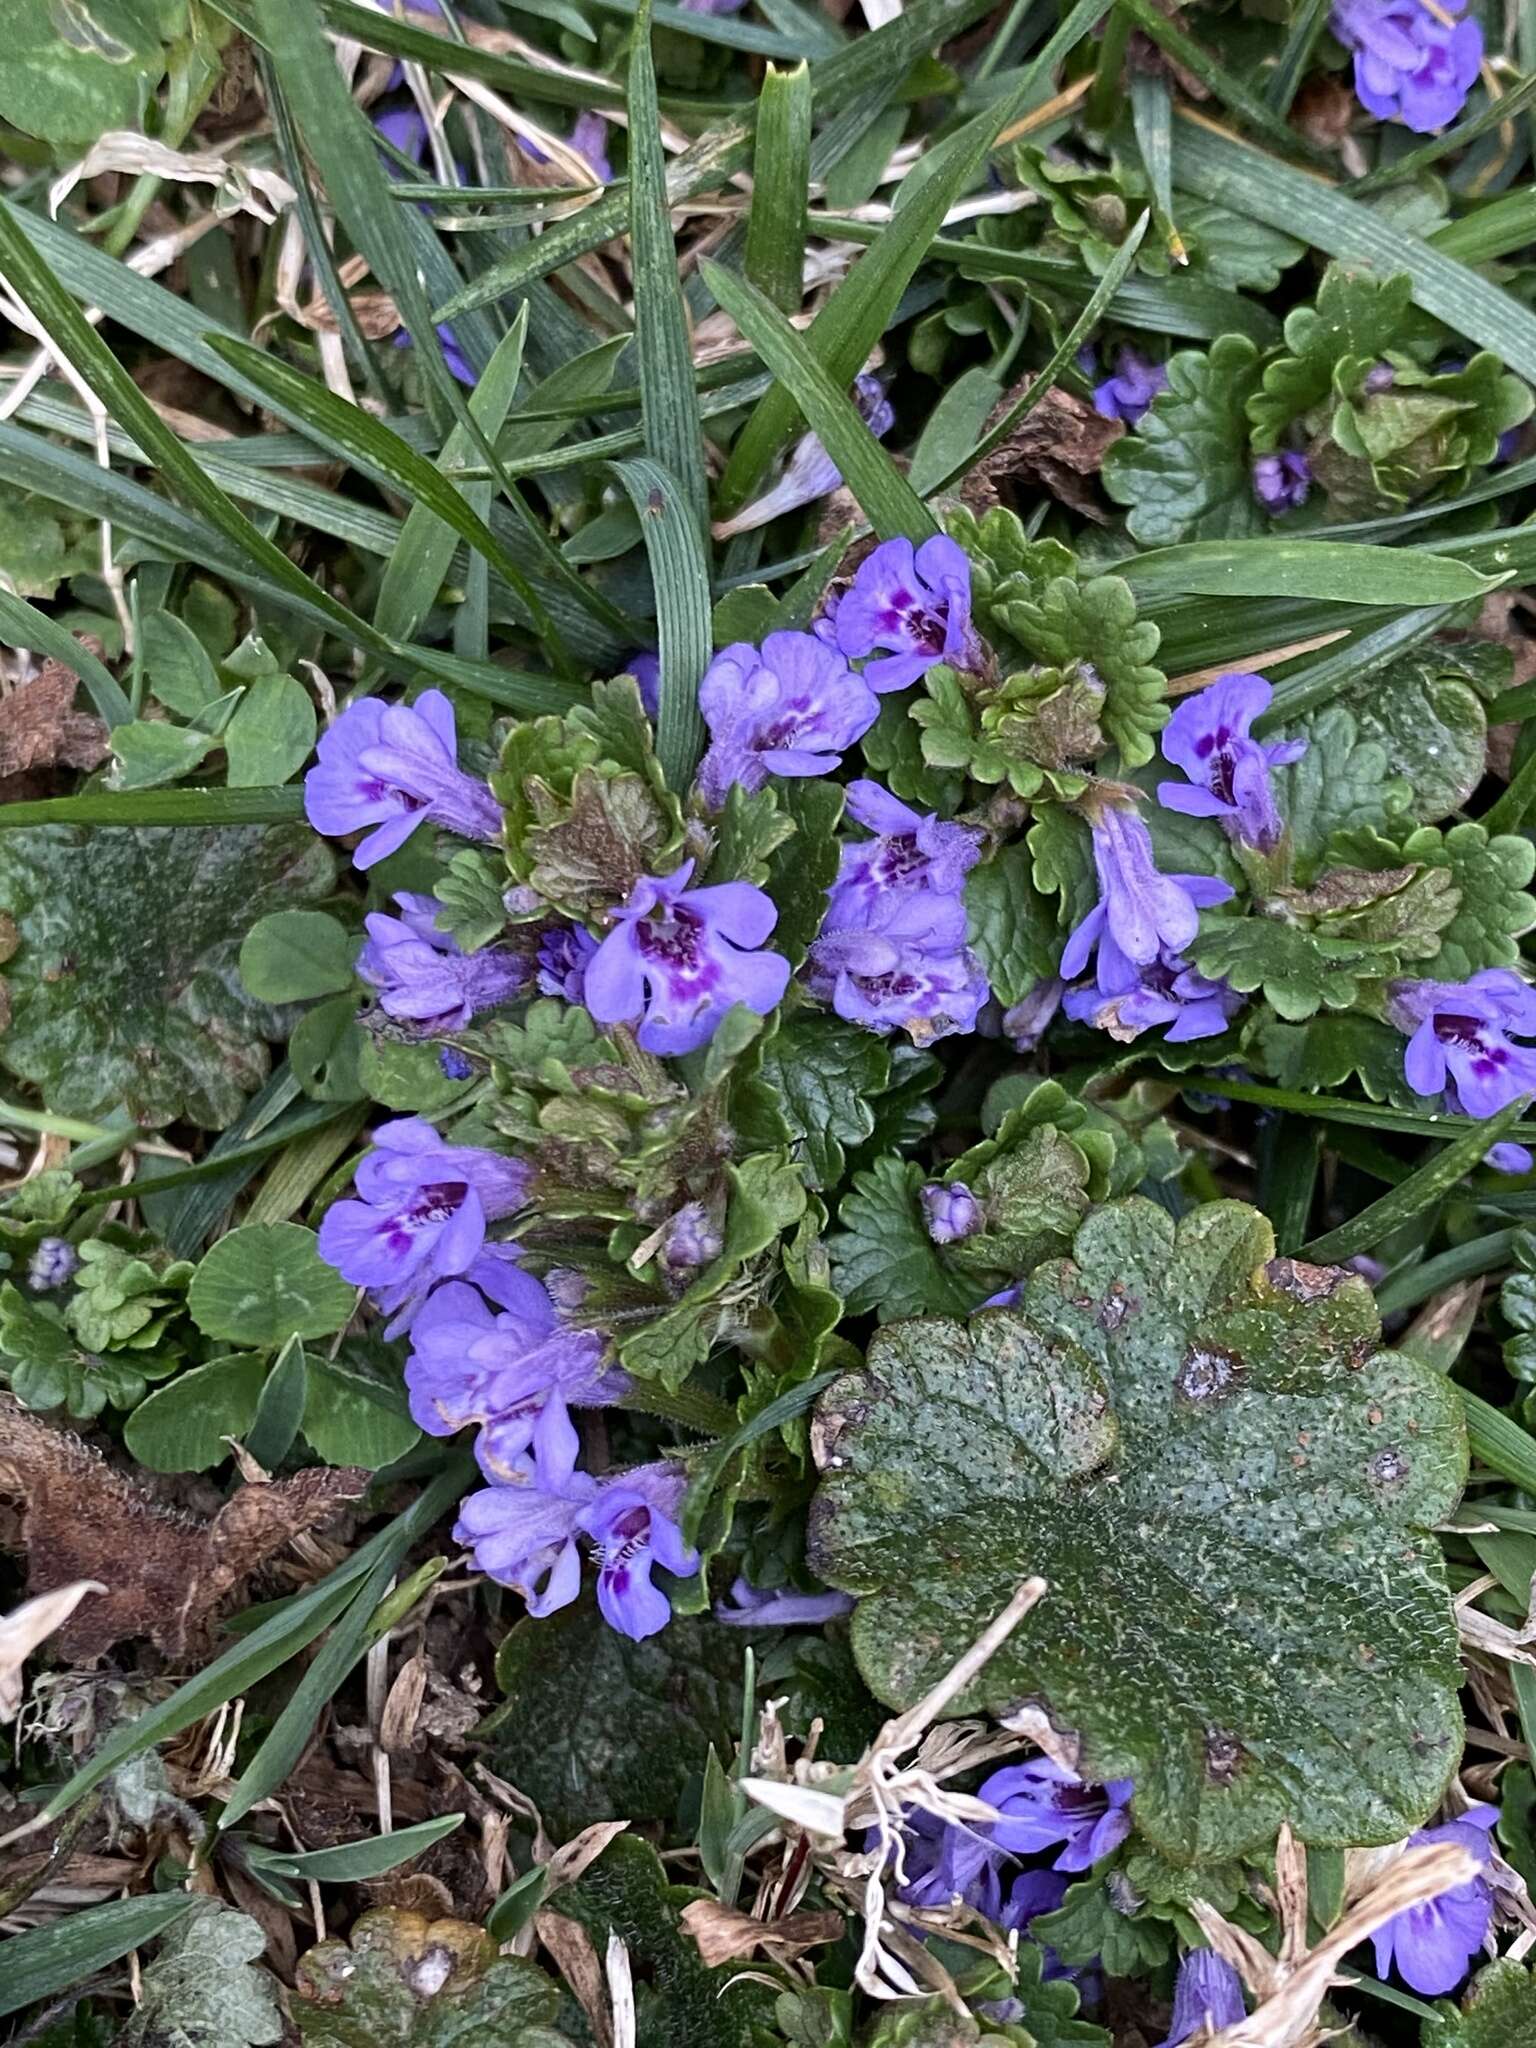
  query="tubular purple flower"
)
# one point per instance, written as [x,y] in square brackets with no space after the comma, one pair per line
[393,767]
[1208,737]
[1030,1018]
[1207,1993]
[1041,1804]
[1034,1892]
[911,849]
[422,1214]
[900,963]
[564,957]
[1144,912]
[678,958]
[1433,1945]
[1461,1032]
[810,472]
[1127,394]
[633,1522]
[916,604]
[1128,997]
[1508,1157]
[943,1860]
[950,1211]
[754,1607]
[787,708]
[1282,481]
[421,974]
[1410,65]
[589,138]
[524,1535]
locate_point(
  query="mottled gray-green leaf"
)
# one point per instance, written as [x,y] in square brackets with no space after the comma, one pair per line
[1345,778]
[1498,2011]
[124,986]
[203,1989]
[1229,1490]
[1434,729]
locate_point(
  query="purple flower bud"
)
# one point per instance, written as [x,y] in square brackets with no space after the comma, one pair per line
[951,1212]
[564,957]
[421,1215]
[788,708]
[678,958]
[589,138]
[915,604]
[1282,481]
[645,666]
[633,1523]
[1005,1297]
[1042,1804]
[692,1238]
[752,1607]
[1145,913]
[899,963]
[810,472]
[1380,377]
[1432,1945]
[393,766]
[712,6]
[1508,1157]
[1029,1019]
[53,1261]
[454,1065]
[1128,393]
[1207,1993]
[1461,1038]
[911,849]
[1410,66]
[421,974]
[1208,737]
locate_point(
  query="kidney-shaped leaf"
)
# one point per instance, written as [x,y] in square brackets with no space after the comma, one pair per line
[1228,1488]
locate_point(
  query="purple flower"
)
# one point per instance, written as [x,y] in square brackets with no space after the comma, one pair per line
[421,974]
[1206,1992]
[950,1212]
[901,962]
[1127,394]
[690,1239]
[712,6]
[564,957]
[1041,1804]
[1144,912]
[1030,1018]
[53,1261]
[911,849]
[753,1607]
[633,1523]
[917,605]
[1433,1944]
[943,1860]
[392,766]
[1409,65]
[1228,771]
[645,666]
[423,1212]
[589,138]
[1281,481]
[502,1367]
[788,708]
[1461,1037]
[1128,997]
[455,1067]
[524,1535]
[810,472]
[1005,1297]
[679,958]
[1508,1157]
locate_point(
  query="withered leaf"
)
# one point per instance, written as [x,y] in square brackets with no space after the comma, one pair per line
[1058,448]
[40,727]
[165,1570]
[723,1933]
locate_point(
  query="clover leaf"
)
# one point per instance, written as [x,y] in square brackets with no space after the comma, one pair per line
[1185,472]
[1230,1492]
[124,987]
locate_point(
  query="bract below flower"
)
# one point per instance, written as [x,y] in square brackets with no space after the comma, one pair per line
[913,604]
[789,707]
[394,767]
[678,958]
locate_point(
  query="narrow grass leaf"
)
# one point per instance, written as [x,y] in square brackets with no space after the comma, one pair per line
[1370,1116]
[680,573]
[1406,1289]
[781,171]
[1152,115]
[63,1953]
[159,807]
[1499,1442]
[1193,57]
[356,1862]
[1422,1190]
[23,625]
[1296,54]
[1344,572]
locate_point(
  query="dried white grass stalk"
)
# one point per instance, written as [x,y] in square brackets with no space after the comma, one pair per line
[27,1626]
[242,188]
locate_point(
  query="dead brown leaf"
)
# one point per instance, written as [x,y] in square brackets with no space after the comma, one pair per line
[1058,448]
[724,1934]
[166,1570]
[40,727]
[27,1626]
[569,1943]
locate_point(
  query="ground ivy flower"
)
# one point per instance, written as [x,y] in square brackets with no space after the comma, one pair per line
[1461,1037]
[1144,912]
[421,1215]
[951,1212]
[645,666]
[633,1522]
[524,1535]
[1041,1804]
[1282,481]
[678,958]
[755,1607]
[789,707]
[1030,1018]
[1128,997]
[422,975]
[943,1860]
[1207,1993]
[914,603]
[394,767]
[1208,737]
[1432,1945]
[1410,65]
[1127,393]
[910,850]
[564,957]
[54,1260]
[900,963]
[589,138]
[810,473]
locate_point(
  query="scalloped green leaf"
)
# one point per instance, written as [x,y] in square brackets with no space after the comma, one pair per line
[1230,1492]
[1185,472]
[1300,971]
[1011,926]
[1491,875]
[124,986]
[1094,625]
[1356,316]
[882,1256]
[1498,2010]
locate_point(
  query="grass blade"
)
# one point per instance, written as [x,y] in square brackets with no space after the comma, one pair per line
[354,1862]
[23,625]
[680,572]
[1410,1198]
[160,807]
[1342,572]
[1231,91]
[669,404]
[781,173]
[1499,1442]
[52,1958]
